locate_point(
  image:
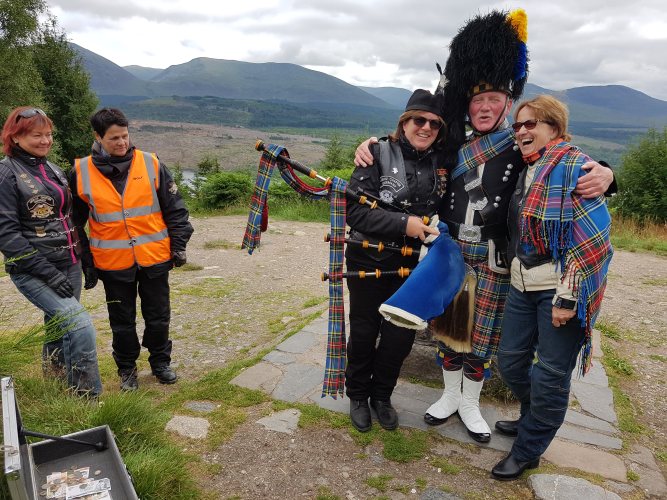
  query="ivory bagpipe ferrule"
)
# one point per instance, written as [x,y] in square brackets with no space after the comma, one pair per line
[401,272]
[405,251]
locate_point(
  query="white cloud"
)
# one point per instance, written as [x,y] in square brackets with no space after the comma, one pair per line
[377,42]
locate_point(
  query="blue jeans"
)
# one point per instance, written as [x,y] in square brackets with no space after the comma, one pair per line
[536,361]
[76,350]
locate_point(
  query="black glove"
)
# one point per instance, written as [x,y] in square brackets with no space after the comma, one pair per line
[90,277]
[61,285]
[179,258]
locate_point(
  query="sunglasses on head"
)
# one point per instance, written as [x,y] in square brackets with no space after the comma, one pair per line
[420,121]
[29,113]
[529,124]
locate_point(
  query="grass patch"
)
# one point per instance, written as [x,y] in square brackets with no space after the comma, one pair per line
[209,288]
[618,369]
[380,483]
[655,282]
[315,301]
[661,455]
[188,267]
[221,244]
[445,466]
[324,493]
[404,445]
[312,415]
[609,330]
[631,235]
[632,476]
[299,209]
[658,357]
[421,483]
[618,365]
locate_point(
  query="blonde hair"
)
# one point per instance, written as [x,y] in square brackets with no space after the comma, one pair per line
[550,110]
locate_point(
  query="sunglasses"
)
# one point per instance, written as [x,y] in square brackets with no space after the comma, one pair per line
[421,121]
[529,124]
[29,113]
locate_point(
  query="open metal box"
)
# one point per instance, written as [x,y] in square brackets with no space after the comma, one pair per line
[71,466]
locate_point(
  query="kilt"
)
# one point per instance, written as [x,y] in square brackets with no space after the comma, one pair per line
[490,294]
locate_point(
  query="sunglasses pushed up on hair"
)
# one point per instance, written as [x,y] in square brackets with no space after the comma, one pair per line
[529,124]
[29,113]
[420,121]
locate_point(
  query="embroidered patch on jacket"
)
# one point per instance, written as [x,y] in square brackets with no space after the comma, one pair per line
[173,188]
[386,196]
[41,206]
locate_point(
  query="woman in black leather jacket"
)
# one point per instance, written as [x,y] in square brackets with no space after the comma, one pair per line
[41,248]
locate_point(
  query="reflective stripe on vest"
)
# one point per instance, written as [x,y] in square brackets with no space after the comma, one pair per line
[128,228]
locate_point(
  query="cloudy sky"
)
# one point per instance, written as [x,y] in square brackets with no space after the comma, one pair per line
[377,42]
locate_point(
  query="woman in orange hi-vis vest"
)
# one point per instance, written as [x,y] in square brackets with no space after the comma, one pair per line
[139,229]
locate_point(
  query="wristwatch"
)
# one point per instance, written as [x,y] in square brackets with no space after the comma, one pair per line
[561,303]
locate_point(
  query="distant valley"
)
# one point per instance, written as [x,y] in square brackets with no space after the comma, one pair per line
[281,96]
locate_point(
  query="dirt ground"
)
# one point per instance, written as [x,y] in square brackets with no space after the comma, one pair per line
[188,143]
[235,304]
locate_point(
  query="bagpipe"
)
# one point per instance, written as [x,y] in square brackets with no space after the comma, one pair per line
[428,288]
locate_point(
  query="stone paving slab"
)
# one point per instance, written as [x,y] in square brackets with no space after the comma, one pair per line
[596,400]
[189,427]
[595,424]
[586,436]
[300,342]
[565,454]
[285,421]
[550,486]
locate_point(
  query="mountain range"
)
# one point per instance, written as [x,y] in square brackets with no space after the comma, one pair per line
[266,95]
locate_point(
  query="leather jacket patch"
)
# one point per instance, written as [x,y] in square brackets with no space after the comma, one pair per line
[41,206]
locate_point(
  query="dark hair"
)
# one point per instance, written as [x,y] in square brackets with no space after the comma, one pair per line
[413,113]
[105,118]
[18,125]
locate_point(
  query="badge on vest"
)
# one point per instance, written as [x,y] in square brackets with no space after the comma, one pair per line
[41,206]
[40,231]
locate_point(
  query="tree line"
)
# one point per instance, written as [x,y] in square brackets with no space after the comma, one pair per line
[39,68]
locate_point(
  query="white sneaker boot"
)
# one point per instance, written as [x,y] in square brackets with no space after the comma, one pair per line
[439,412]
[469,412]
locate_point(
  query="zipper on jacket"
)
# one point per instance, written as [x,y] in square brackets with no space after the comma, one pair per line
[60,210]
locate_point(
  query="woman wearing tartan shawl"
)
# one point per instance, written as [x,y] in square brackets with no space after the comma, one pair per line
[559,252]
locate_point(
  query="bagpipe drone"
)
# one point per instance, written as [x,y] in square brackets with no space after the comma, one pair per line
[428,289]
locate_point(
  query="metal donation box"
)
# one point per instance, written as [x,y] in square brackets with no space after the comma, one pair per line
[85,465]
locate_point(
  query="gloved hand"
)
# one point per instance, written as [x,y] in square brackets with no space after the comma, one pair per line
[61,285]
[90,278]
[179,258]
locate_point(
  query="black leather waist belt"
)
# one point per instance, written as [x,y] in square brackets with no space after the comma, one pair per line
[476,234]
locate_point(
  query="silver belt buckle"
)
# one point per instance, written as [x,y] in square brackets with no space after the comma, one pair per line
[470,233]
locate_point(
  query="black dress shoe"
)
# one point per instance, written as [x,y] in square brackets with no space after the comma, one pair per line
[508,427]
[360,415]
[386,414]
[128,380]
[480,437]
[509,468]
[431,420]
[165,375]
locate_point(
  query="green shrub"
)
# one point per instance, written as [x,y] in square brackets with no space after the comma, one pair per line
[224,189]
